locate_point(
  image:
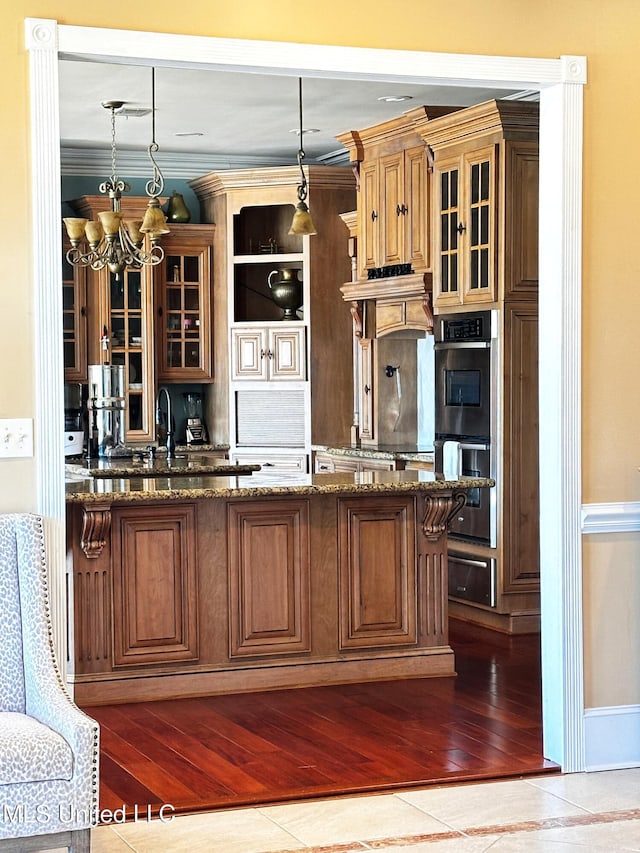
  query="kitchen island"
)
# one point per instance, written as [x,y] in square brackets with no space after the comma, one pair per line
[198,585]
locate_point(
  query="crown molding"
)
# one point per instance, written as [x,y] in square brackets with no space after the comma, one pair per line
[96,162]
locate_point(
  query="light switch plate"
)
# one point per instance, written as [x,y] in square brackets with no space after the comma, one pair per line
[16,437]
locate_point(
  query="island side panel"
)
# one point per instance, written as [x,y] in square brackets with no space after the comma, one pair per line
[291,591]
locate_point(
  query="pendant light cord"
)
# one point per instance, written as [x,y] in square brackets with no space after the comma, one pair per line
[302,189]
[156,184]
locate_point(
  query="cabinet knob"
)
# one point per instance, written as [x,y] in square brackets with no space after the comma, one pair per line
[402,209]
[366,389]
[374,216]
[461,228]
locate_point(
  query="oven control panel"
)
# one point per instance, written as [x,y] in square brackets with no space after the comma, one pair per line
[465,327]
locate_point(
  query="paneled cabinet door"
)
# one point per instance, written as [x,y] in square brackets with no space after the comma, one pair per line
[369,216]
[183,305]
[377,571]
[269,578]
[465,269]
[268,353]
[366,390]
[394,211]
[154,585]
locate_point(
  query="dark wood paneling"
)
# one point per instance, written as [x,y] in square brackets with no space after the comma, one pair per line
[154,590]
[521,536]
[269,577]
[377,572]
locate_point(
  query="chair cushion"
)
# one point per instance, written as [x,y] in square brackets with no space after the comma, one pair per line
[31,751]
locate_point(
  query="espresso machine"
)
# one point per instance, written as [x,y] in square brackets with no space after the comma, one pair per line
[73,420]
[196,431]
[106,405]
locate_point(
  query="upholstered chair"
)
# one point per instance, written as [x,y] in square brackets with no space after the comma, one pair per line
[48,746]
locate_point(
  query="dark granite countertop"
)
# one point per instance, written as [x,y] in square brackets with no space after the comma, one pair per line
[260,484]
[408,453]
[127,466]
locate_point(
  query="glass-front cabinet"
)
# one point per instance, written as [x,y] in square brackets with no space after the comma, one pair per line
[127,335]
[154,321]
[183,306]
[74,320]
[465,269]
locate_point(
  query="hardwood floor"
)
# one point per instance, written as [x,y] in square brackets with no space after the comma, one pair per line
[225,751]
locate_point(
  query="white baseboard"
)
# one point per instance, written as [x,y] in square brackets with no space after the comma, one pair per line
[612,737]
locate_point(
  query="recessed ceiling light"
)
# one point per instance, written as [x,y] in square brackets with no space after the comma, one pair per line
[296,130]
[189,133]
[132,112]
[393,99]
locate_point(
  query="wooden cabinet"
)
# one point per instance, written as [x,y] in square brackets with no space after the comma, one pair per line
[377,568]
[507,574]
[394,204]
[229,594]
[183,305]
[283,375]
[520,517]
[155,597]
[393,214]
[268,353]
[269,567]
[485,201]
[465,239]
[366,390]
[121,333]
[155,321]
[74,320]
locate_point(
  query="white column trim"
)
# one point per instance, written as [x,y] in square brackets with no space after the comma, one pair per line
[41,41]
[560,412]
[560,244]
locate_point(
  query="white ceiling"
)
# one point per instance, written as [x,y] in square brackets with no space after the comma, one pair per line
[245,119]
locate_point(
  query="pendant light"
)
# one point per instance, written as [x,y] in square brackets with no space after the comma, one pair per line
[113,242]
[302,222]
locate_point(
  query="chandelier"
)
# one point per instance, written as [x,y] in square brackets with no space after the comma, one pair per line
[115,242]
[302,222]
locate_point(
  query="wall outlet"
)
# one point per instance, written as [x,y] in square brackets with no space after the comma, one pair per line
[16,437]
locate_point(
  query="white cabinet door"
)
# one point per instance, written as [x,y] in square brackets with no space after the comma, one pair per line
[268,353]
[248,356]
[287,356]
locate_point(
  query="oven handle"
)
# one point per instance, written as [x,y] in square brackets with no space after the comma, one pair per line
[488,563]
[466,445]
[462,345]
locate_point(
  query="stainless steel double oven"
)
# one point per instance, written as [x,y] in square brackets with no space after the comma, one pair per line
[466,355]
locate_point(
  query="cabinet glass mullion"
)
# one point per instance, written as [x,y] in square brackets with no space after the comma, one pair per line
[183,311]
[480,224]
[125,332]
[74,331]
[449,221]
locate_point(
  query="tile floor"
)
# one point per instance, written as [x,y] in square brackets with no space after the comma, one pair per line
[550,814]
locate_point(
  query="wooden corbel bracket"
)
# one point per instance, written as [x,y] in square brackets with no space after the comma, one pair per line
[439,510]
[356,313]
[96,525]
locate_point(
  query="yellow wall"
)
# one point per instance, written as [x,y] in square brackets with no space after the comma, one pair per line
[606,32]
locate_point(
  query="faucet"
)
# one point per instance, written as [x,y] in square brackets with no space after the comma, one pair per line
[169,441]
